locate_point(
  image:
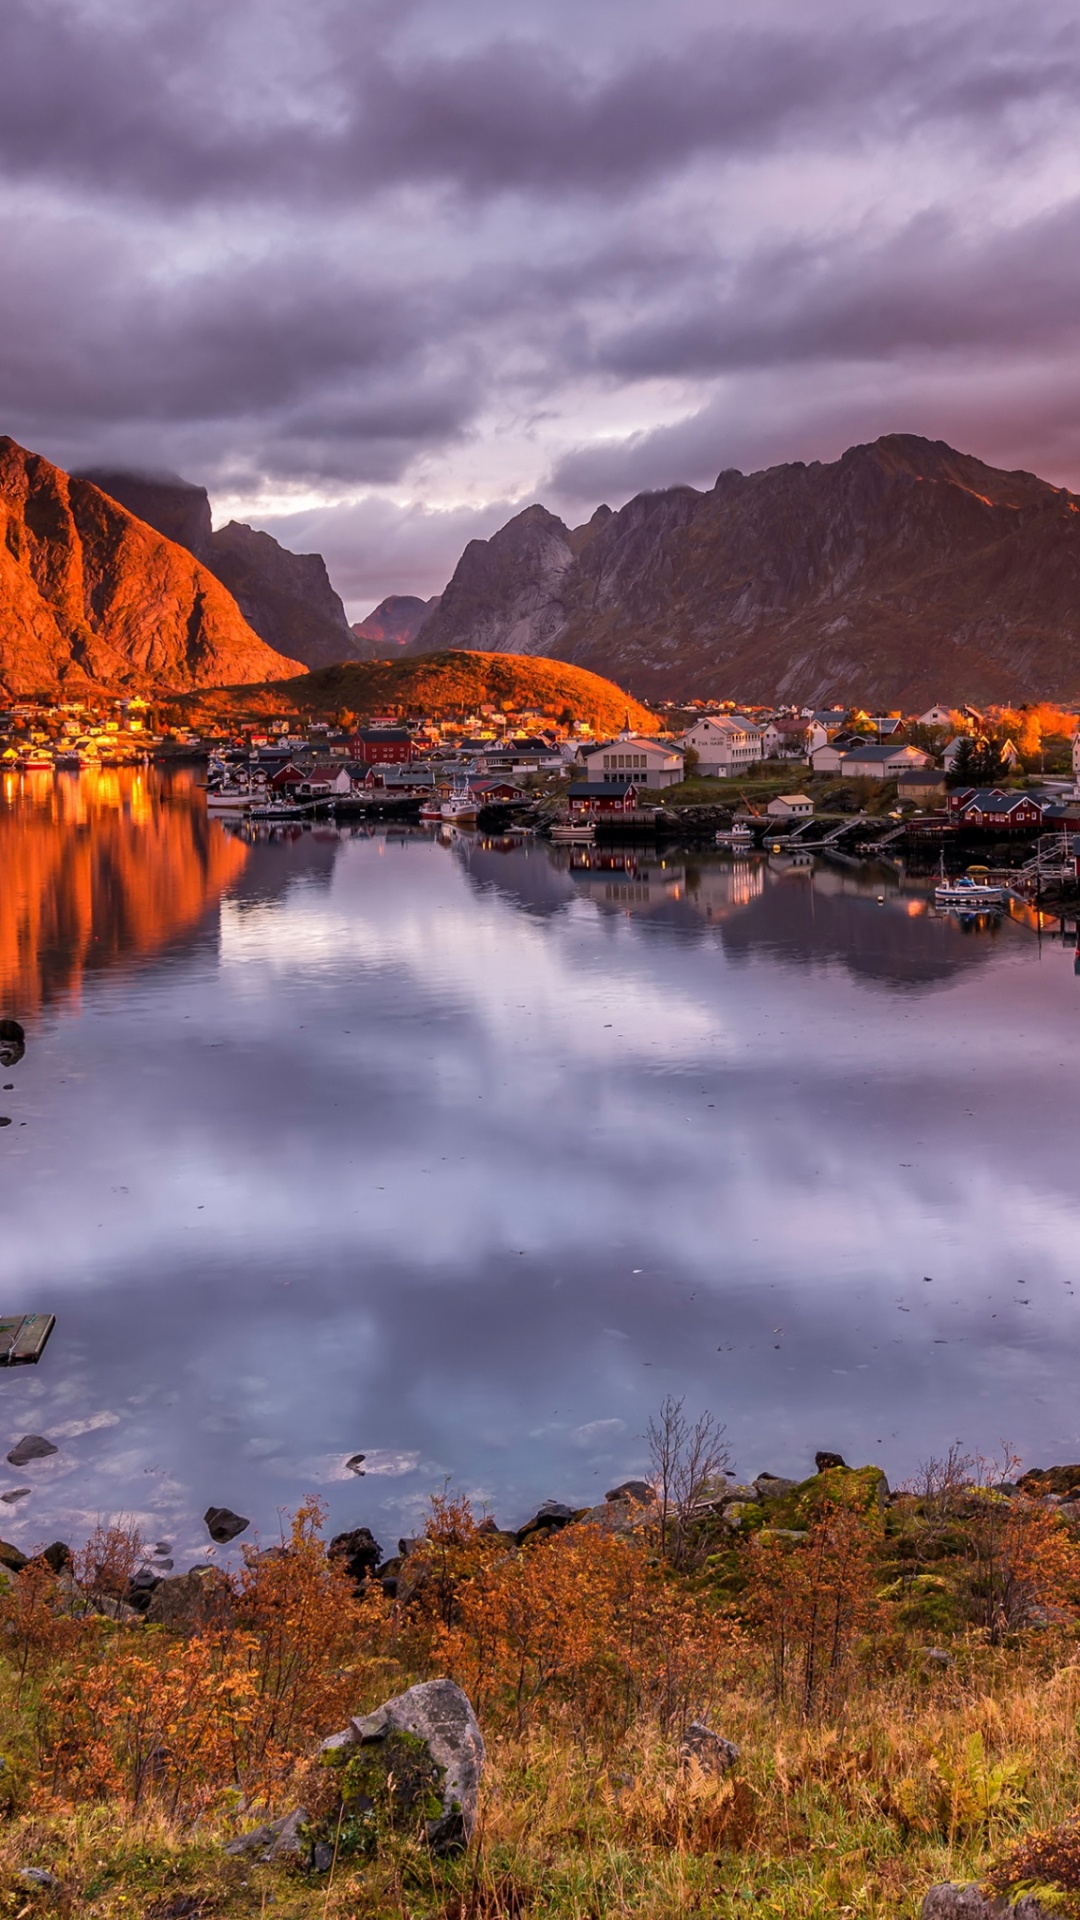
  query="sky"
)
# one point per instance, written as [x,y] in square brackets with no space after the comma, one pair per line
[379,275]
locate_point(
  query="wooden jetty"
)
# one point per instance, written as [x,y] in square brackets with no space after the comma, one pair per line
[24,1337]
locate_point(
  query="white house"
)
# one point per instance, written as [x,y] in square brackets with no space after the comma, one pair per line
[724,744]
[936,717]
[881,762]
[790,806]
[647,762]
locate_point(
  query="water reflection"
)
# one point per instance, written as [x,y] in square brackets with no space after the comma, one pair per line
[461,1153]
[100,868]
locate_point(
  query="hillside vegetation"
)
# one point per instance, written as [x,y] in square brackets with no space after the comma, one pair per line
[440,685]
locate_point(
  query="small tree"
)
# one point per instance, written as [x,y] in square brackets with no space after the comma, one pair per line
[687,1461]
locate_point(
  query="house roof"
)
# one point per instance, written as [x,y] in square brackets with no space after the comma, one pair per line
[997,800]
[595,789]
[636,743]
[877,754]
[919,776]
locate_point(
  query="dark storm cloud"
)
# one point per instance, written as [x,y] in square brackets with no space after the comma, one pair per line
[168,105]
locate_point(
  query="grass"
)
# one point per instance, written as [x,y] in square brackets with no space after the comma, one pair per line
[852,1816]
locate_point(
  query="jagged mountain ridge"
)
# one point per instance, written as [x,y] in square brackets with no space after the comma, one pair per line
[390,627]
[89,594]
[286,597]
[901,573]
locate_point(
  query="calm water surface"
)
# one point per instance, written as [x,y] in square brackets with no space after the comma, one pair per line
[463,1155]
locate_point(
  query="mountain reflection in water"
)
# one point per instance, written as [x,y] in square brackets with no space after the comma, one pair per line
[96,872]
[461,1151]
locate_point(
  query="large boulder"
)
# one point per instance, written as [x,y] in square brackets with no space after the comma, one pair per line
[950,1902]
[414,1765]
[360,1552]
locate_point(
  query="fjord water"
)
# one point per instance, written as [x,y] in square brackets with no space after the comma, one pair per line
[462,1154]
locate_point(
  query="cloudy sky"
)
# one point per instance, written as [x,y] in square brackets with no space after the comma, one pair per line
[376,274]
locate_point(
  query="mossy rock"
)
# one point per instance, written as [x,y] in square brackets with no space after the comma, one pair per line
[390,1788]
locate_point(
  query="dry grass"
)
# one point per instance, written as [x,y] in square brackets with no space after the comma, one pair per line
[924,1778]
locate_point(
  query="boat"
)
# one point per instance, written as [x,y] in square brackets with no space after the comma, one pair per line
[431,810]
[36,762]
[574,832]
[740,835]
[460,808]
[229,799]
[967,895]
[276,809]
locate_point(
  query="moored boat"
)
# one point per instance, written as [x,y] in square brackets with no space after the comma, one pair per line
[580,832]
[460,808]
[967,895]
[740,835]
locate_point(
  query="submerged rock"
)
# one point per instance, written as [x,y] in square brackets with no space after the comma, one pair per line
[12,1043]
[414,1763]
[32,1446]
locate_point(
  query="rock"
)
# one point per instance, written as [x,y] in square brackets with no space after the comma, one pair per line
[283,1839]
[1042,1480]
[12,1044]
[947,1901]
[823,1460]
[355,1463]
[547,1519]
[11,1558]
[141,1589]
[615,1516]
[32,1446]
[57,1556]
[769,1486]
[360,1552]
[322,1856]
[638,1490]
[191,1602]
[735,1513]
[37,1878]
[16,1493]
[937,1657]
[710,1750]
[419,1758]
[222,1524]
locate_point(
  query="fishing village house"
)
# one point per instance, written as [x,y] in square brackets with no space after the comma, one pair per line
[724,744]
[601,799]
[382,746]
[881,762]
[790,806]
[648,762]
[995,807]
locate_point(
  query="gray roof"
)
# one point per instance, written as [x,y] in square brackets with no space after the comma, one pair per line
[594,789]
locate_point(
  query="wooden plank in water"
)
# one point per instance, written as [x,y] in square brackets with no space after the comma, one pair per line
[23,1337]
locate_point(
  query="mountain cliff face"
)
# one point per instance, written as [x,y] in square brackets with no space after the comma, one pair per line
[88,593]
[286,597]
[901,573]
[392,625]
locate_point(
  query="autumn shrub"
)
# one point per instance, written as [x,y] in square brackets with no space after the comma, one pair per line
[582,1623]
[806,1604]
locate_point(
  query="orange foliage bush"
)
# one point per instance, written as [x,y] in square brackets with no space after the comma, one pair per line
[808,1603]
[582,1623]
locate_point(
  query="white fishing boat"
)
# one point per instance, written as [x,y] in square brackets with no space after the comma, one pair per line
[460,808]
[228,799]
[740,835]
[968,895]
[261,809]
[574,833]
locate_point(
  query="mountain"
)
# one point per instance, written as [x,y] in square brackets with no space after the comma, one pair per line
[441,685]
[392,625]
[286,597]
[89,593]
[901,573]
